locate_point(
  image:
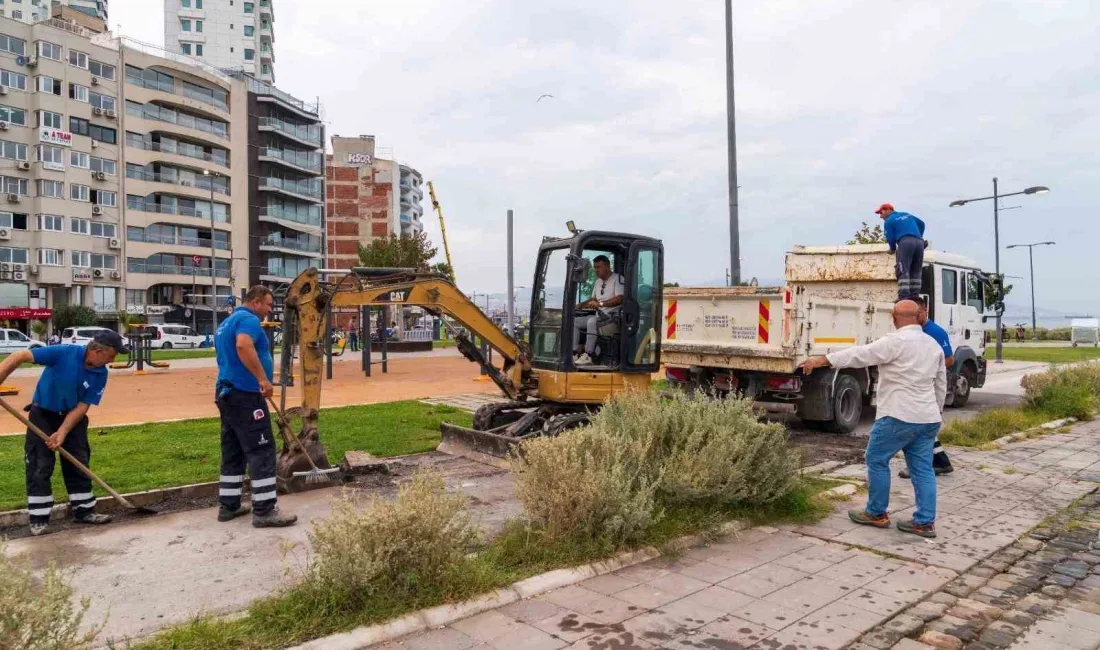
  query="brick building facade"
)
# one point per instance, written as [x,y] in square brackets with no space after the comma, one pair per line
[362,199]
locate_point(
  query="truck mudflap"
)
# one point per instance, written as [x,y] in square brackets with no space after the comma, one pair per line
[980,380]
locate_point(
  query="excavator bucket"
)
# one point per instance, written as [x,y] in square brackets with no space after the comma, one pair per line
[292,459]
[482,446]
[500,428]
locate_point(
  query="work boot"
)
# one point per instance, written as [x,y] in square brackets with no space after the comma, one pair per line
[92,518]
[862,517]
[39,529]
[583,360]
[904,473]
[927,531]
[225,514]
[273,519]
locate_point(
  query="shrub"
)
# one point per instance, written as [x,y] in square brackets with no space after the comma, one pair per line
[39,614]
[394,545]
[586,485]
[73,316]
[1064,391]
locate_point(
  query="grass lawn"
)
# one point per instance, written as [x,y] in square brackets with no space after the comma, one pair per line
[152,456]
[1050,355]
[449,343]
[990,425]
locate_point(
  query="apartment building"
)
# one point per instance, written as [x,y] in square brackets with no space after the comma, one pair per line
[285,189]
[236,35]
[32,11]
[411,198]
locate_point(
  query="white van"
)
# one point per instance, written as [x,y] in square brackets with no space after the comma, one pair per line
[14,340]
[81,335]
[166,337]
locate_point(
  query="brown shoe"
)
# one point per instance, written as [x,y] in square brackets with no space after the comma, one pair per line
[923,530]
[861,517]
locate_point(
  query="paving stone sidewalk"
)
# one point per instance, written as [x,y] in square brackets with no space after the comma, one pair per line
[820,587]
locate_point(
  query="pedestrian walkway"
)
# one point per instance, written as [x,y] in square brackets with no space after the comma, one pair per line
[820,587]
[466,401]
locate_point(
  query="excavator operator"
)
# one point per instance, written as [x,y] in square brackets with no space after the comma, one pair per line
[607,298]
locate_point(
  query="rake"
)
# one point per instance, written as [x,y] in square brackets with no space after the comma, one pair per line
[315,474]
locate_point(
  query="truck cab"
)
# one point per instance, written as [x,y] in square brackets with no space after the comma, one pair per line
[955,289]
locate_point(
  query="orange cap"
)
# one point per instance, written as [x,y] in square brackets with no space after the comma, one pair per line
[884,206]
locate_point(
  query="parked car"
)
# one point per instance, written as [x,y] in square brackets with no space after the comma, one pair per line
[14,340]
[80,335]
[166,337]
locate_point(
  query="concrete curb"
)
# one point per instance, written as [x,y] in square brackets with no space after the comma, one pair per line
[442,615]
[1022,435]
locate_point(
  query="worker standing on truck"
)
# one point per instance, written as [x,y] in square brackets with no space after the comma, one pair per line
[941,464]
[607,296]
[912,386]
[245,370]
[73,381]
[905,235]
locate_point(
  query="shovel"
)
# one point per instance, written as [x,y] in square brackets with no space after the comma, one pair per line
[76,463]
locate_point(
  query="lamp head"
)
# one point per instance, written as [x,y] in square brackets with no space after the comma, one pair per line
[1038,189]
[957,204]
[571,227]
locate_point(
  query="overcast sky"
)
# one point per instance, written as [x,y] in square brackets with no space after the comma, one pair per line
[841,105]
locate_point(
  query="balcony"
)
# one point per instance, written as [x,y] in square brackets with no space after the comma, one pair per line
[159,208]
[308,189]
[289,219]
[181,149]
[162,114]
[305,161]
[175,240]
[306,134]
[140,266]
[276,242]
[200,182]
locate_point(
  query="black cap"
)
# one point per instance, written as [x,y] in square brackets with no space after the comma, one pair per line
[112,340]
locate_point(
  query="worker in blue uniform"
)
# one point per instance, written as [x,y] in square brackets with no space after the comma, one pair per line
[905,236]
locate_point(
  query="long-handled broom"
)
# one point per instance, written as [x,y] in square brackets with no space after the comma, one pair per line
[315,474]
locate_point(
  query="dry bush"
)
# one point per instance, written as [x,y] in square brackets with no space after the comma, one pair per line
[393,544]
[39,614]
[586,485]
[1064,391]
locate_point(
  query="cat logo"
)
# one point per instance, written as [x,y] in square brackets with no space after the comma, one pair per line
[396,296]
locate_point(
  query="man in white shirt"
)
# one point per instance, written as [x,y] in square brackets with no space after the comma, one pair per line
[607,296]
[912,386]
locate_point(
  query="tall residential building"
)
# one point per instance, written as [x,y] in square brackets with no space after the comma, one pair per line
[285,188]
[234,35]
[32,11]
[411,197]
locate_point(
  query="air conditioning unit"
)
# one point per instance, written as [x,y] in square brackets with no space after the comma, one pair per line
[97,111]
[19,276]
[32,61]
[99,176]
[16,267]
[110,114]
[33,269]
[95,144]
[5,267]
[115,275]
[5,233]
[25,166]
[97,210]
[3,126]
[95,81]
[3,90]
[97,273]
[114,244]
[13,198]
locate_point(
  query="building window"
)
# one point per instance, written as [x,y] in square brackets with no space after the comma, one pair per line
[50,119]
[13,255]
[135,298]
[17,14]
[266,69]
[94,131]
[198,26]
[104,230]
[78,159]
[49,85]
[249,54]
[79,59]
[249,7]
[249,30]
[185,48]
[104,198]
[185,4]
[78,92]
[54,156]
[49,257]
[198,4]
[13,220]
[100,261]
[79,226]
[13,80]
[13,115]
[100,69]
[80,259]
[12,44]
[105,298]
[185,25]
[51,222]
[13,185]
[105,102]
[198,49]
[13,150]
[79,192]
[49,50]
[108,167]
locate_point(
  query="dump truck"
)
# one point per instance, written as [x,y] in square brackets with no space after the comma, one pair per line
[751,340]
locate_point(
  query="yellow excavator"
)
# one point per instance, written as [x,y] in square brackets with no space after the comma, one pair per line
[546,392]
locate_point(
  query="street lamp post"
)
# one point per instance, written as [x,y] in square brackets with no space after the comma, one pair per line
[1031,265]
[1036,189]
[213,256]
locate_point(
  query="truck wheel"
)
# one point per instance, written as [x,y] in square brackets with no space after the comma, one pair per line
[963,382]
[847,405]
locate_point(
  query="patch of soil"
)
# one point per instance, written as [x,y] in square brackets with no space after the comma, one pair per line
[168,506]
[821,447]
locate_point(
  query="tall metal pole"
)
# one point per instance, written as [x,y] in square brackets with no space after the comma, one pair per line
[997,266]
[213,260]
[731,131]
[1031,264]
[511,282]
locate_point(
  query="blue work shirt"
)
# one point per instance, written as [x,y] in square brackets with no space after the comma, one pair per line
[66,381]
[231,370]
[902,224]
[939,335]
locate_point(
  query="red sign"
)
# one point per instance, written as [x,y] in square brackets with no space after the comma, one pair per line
[25,313]
[197,260]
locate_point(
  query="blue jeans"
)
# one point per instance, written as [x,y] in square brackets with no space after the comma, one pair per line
[888,437]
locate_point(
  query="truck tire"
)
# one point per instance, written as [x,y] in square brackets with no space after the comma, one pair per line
[964,383]
[847,405]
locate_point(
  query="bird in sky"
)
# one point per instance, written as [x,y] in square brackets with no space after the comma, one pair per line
[544,96]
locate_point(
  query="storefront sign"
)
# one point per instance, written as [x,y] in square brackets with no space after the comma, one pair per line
[80,275]
[25,313]
[54,166]
[55,136]
[359,159]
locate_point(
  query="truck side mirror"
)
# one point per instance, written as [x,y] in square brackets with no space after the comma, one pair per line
[581,269]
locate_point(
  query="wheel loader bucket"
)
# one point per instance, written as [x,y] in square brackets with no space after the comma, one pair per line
[481,446]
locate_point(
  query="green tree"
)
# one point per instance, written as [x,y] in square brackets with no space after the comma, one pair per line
[38,328]
[444,268]
[405,252]
[73,316]
[869,235]
[671,284]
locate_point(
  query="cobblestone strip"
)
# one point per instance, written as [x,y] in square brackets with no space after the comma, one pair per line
[1050,577]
